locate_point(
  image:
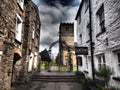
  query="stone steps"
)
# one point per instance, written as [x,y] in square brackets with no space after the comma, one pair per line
[55,78]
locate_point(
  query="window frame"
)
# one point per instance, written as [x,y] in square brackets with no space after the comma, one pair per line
[86,5]
[79,19]
[101,17]
[1,53]
[21,3]
[80,36]
[118,55]
[18,34]
[80,61]
[33,33]
[101,60]
[88,33]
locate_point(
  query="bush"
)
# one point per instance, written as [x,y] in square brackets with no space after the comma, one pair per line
[86,80]
[80,73]
[104,73]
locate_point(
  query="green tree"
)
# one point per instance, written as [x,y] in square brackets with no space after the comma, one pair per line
[45,56]
[57,59]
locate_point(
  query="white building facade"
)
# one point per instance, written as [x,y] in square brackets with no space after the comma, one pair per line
[106,36]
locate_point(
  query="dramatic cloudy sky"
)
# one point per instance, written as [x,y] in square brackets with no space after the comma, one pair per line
[52,12]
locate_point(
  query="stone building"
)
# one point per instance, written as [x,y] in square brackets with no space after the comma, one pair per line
[67,38]
[13,19]
[31,37]
[106,36]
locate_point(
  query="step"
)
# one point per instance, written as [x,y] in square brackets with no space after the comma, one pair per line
[55,78]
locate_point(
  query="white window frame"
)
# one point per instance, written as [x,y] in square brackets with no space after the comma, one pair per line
[21,3]
[33,33]
[101,20]
[79,19]
[88,32]
[101,60]
[18,34]
[86,5]
[118,55]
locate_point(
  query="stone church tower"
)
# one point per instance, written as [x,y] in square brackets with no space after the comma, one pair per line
[67,51]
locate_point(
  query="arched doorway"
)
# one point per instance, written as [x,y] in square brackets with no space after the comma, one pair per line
[16,68]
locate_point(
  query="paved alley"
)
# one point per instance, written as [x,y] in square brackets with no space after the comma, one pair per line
[41,84]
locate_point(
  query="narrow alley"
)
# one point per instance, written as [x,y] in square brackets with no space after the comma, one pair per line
[47,81]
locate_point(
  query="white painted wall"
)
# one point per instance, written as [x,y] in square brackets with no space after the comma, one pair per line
[112,20]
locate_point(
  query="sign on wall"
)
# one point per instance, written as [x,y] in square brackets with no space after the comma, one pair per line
[81,50]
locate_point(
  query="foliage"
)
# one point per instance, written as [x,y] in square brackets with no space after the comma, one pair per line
[79,73]
[45,55]
[104,72]
[113,88]
[86,80]
[57,59]
[64,68]
[44,65]
[102,88]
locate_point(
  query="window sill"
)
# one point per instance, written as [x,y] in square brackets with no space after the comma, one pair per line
[87,41]
[102,31]
[18,42]
[20,6]
[116,78]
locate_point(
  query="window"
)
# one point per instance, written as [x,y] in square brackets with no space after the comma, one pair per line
[79,61]
[20,3]
[79,18]
[101,60]
[86,5]
[1,52]
[33,33]
[101,17]
[80,38]
[118,59]
[18,28]
[87,33]
[86,63]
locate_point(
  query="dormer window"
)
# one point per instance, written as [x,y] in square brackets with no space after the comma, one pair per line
[21,3]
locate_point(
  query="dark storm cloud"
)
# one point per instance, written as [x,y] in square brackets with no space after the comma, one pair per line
[52,12]
[62,2]
[55,2]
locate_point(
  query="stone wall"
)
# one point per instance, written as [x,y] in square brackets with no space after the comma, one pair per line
[31,42]
[12,51]
[8,10]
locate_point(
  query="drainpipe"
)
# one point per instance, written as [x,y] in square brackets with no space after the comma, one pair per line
[91,41]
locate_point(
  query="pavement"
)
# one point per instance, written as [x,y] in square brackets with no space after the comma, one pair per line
[39,85]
